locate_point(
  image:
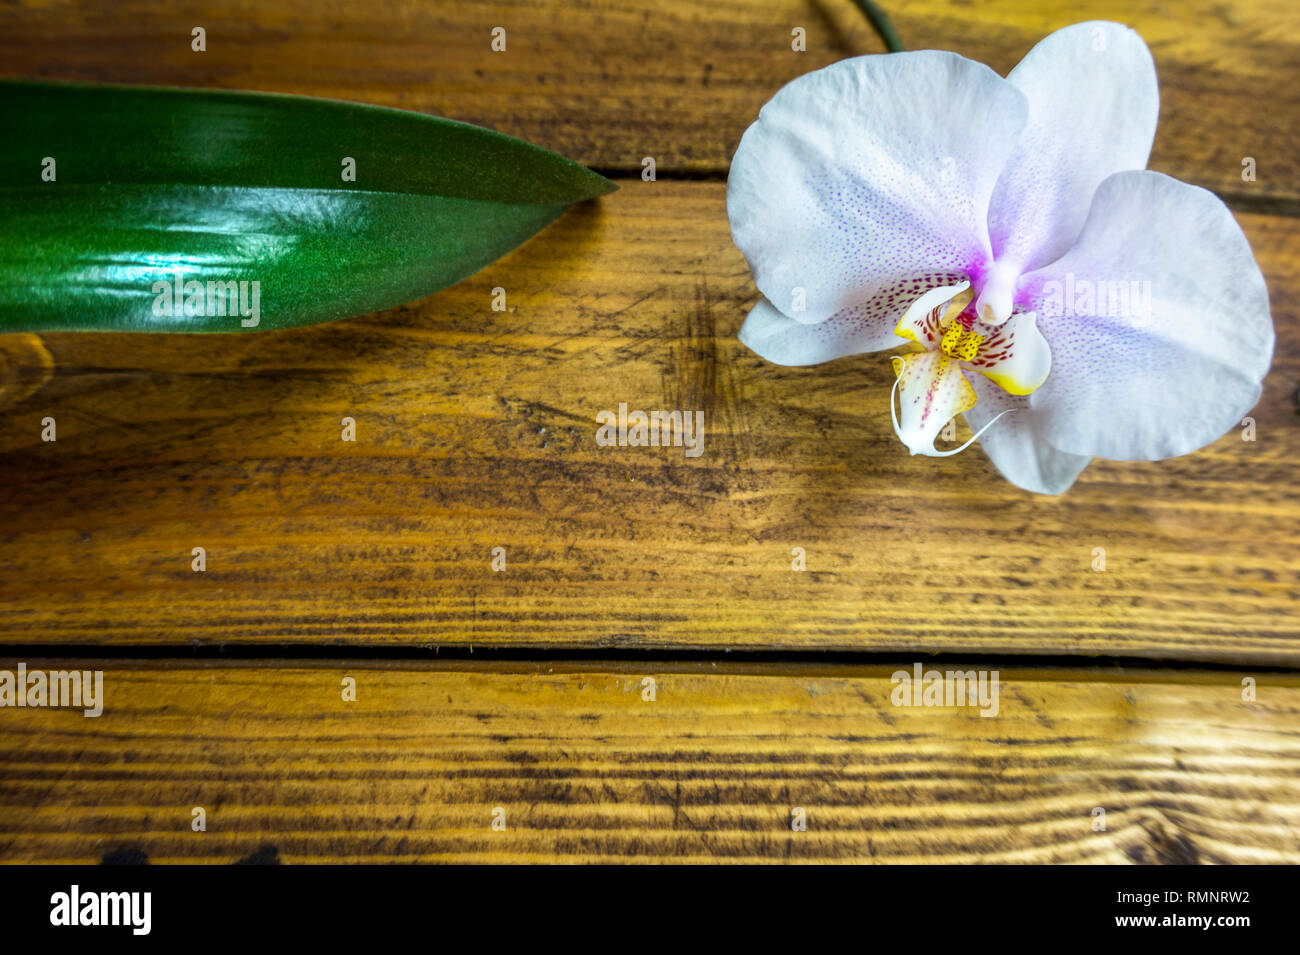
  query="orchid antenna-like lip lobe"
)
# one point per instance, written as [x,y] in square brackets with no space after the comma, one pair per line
[933,452]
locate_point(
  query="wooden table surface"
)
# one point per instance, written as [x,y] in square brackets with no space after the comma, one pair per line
[523,690]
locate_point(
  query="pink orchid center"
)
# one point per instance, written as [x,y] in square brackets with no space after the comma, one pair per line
[932,385]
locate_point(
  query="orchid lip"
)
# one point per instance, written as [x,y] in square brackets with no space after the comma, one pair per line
[933,452]
[1012,355]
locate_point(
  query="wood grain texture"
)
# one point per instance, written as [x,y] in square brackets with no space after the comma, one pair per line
[476,429]
[607,82]
[586,770]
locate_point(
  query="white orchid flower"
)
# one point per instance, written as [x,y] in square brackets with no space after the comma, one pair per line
[1010,228]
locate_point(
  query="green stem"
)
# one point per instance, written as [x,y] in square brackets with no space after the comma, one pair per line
[881,22]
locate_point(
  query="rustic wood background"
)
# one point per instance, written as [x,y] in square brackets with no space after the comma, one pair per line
[476,430]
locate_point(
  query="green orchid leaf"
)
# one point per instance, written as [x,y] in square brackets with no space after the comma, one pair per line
[170,210]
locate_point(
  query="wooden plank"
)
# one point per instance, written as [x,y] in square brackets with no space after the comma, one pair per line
[711,769]
[476,429]
[608,82]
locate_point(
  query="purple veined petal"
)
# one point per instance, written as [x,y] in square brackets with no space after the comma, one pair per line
[1158,324]
[1093,104]
[867,327]
[1014,444]
[870,169]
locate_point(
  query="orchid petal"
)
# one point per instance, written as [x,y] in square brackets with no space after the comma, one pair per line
[932,391]
[1171,368]
[1015,447]
[1015,356]
[861,328]
[868,171]
[783,341]
[1093,103]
